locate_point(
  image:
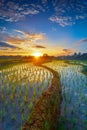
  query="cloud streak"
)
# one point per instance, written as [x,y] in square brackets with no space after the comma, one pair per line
[25,38]
[82,41]
[7,47]
[39,47]
[67,51]
[3,44]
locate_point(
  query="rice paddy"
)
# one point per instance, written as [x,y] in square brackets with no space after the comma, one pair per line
[74,93]
[20,88]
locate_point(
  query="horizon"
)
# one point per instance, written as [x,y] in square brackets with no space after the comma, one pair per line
[42,55]
[53,27]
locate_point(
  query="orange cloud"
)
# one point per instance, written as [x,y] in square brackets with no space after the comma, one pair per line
[67,51]
[39,47]
[25,40]
[15,40]
[31,36]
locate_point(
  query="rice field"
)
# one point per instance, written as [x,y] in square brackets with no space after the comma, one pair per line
[74,93]
[20,88]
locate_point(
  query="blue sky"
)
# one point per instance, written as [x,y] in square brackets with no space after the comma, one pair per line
[56,27]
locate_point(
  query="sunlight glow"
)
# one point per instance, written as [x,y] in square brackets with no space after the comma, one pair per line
[37,54]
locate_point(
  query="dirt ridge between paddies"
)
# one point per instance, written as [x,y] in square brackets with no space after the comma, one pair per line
[47,110]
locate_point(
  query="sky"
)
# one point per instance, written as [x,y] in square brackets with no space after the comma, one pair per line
[55,27]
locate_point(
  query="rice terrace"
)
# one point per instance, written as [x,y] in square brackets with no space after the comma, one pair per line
[43,64]
[29,98]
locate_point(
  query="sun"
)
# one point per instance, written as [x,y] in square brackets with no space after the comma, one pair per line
[37,54]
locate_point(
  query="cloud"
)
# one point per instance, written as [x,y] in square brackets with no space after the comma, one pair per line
[22,40]
[15,40]
[25,38]
[13,12]
[38,7]
[68,51]
[6,46]
[70,12]
[39,47]
[82,41]
[30,35]
[3,44]
[3,29]
[62,21]
[63,12]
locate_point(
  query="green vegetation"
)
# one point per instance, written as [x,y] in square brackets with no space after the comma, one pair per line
[74,92]
[30,95]
[83,63]
[47,109]
[20,88]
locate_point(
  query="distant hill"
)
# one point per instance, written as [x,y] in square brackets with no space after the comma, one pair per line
[82,57]
[74,57]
